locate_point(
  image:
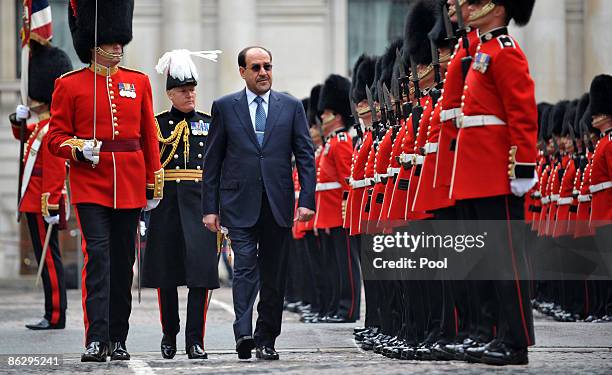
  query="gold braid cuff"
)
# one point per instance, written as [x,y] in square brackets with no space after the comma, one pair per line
[158,185]
[74,144]
[45,206]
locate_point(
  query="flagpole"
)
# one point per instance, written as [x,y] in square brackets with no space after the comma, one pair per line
[23,89]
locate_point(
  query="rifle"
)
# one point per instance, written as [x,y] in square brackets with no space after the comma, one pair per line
[404,83]
[466,62]
[417,110]
[356,123]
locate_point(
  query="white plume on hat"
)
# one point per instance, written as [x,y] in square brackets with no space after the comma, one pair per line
[178,64]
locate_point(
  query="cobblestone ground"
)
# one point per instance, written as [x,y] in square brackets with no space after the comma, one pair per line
[572,348]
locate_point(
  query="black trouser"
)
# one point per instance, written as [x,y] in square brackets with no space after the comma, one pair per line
[331,275]
[53,270]
[510,300]
[197,307]
[371,288]
[260,265]
[307,279]
[108,243]
[315,257]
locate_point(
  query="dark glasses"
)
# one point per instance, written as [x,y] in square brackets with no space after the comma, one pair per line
[257,67]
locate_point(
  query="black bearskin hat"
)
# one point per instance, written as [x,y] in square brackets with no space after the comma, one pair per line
[568,118]
[362,77]
[518,10]
[543,110]
[378,70]
[335,96]
[313,112]
[46,65]
[388,62]
[438,32]
[583,103]
[555,118]
[601,92]
[420,20]
[114,24]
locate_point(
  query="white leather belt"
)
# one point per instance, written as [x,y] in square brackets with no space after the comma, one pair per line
[537,195]
[484,120]
[297,194]
[545,200]
[450,114]
[369,181]
[359,184]
[584,198]
[554,197]
[324,186]
[392,172]
[378,177]
[406,158]
[600,187]
[575,192]
[418,160]
[430,148]
[565,201]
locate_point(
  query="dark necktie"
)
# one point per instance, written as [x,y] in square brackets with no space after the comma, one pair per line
[260,120]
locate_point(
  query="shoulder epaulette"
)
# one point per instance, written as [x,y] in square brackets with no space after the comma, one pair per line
[161,113]
[71,72]
[506,41]
[132,70]
[204,113]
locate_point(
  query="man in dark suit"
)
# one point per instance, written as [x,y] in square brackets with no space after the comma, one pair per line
[248,187]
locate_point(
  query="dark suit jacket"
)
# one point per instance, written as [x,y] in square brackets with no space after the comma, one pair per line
[237,169]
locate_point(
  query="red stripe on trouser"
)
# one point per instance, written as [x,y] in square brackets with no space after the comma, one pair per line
[348,253]
[51,271]
[159,303]
[84,276]
[516,278]
[205,312]
[456,321]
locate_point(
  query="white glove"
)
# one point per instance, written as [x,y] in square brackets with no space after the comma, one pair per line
[151,204]
[521,186]
[142,228]
[52,219]
[91,151]
[22,112]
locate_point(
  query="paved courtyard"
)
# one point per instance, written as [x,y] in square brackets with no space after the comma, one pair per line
[576,348]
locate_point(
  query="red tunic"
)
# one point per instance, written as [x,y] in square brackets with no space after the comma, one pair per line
[583,213]
[497,86]
[45,188]
[367,195]
[393,171]
[309,225]
[450,106]
[601,182]
[353,214]
[566,199]
[381,164]
[334,170]
[124,116]
[415,176]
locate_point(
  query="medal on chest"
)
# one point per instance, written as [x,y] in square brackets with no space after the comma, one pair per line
[199,127]
[127,90]
[481,62]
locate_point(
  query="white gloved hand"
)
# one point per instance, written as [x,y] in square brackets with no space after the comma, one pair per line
[91,151]
[521,186]
[52,219]
[142,228]
[151,204]
[22,112]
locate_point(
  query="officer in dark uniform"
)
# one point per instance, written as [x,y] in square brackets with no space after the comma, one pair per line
[180,251]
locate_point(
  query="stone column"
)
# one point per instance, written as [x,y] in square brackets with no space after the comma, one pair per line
[597,41]
[575,47]
[339,39]
[237,28]
[544,42]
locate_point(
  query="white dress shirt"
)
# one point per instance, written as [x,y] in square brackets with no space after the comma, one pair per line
[253,104]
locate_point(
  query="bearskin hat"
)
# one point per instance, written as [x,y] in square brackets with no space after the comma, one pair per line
[601,92]
[389,61]
[335,96]
[114,24]
[518,10]
[568,118]
[363,76]
[438,33]
[583,103]
[543,110]
[313,112]
[47,63]
[555,118]
[420,19]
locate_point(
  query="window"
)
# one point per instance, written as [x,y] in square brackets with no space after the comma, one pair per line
[373,24]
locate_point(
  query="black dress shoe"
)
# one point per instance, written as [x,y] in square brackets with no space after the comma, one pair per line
[502,355]
[196,352]
[441,352]
[266,352]
[473,354]
[244,346]
[44,324]
[119,351]
[168,347]
[408,353]
[96,351]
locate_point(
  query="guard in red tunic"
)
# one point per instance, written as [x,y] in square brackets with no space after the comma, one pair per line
[601,184]
[342,262]
[110,138]
[43,191]
[495,163]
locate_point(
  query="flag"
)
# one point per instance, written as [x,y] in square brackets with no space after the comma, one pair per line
[36,26]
